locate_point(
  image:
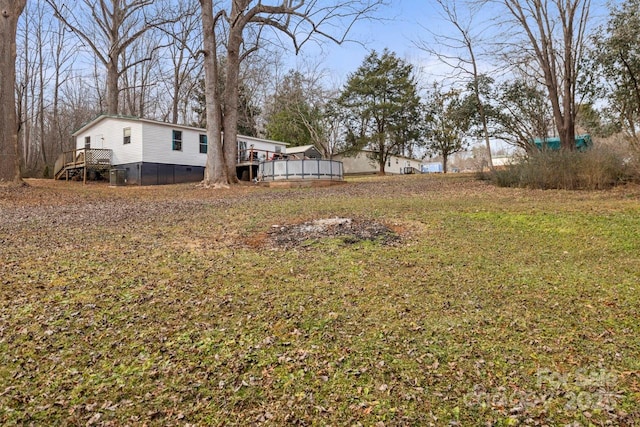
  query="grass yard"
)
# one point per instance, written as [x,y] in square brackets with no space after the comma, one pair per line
[176,305]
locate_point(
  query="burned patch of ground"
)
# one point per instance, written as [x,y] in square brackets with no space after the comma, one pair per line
[348,230]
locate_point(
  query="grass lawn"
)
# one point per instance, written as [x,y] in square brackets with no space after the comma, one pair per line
[174,305]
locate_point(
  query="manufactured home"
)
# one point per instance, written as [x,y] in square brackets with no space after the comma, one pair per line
[363,162]
[149,152]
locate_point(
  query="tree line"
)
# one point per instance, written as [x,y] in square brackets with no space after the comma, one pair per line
[215,63]
[550,71]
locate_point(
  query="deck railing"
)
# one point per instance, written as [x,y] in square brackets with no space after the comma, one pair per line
[82,159]
[255,156]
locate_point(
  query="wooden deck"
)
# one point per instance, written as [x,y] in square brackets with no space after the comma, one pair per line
[81,163]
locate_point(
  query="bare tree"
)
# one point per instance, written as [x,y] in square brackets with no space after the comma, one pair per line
[459,52]
[137,94]
[554,31]
[62,61]
[109,28]
[33,62]
[523,113]
[25,86]
[298,20]
[185,65]
[79,103]
[328,134]
[9,159]
[43,66]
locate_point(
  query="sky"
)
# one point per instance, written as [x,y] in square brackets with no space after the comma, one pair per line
[401,27]
[397,28]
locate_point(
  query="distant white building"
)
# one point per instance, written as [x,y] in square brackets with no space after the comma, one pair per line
[502,161]
[361,163]
[432,167]
[154,152]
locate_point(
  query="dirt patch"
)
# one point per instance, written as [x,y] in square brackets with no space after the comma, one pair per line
[349,230]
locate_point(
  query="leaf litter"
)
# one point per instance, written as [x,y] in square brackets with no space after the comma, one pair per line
[347,230]
[135,306]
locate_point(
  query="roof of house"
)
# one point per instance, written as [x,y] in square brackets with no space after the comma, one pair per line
[157,122]
[300,149]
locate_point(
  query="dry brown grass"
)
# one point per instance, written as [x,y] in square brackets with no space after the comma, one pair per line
[171,306]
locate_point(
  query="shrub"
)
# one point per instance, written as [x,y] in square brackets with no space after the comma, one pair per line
[599,168]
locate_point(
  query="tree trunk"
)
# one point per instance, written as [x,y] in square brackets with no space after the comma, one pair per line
[559,65]
[112,86]
[568,87]
[10,11]
[382,155]
[24,107]
[215,170]
[56,95]
[445,159]
[476,90]
[41,109]
[231,95]
[381,165]
[175,99]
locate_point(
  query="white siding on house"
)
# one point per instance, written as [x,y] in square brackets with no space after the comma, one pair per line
[358,164]
[152,141]
[264,148]
[361,163]
[109,134]
[501,161]
[411,163]
[158,145]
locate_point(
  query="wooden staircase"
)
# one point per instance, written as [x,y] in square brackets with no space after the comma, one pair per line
[81,162]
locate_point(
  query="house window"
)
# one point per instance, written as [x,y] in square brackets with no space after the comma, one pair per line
[242,151]
[87,142]
[203,144]
[126,136]
[177,140]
